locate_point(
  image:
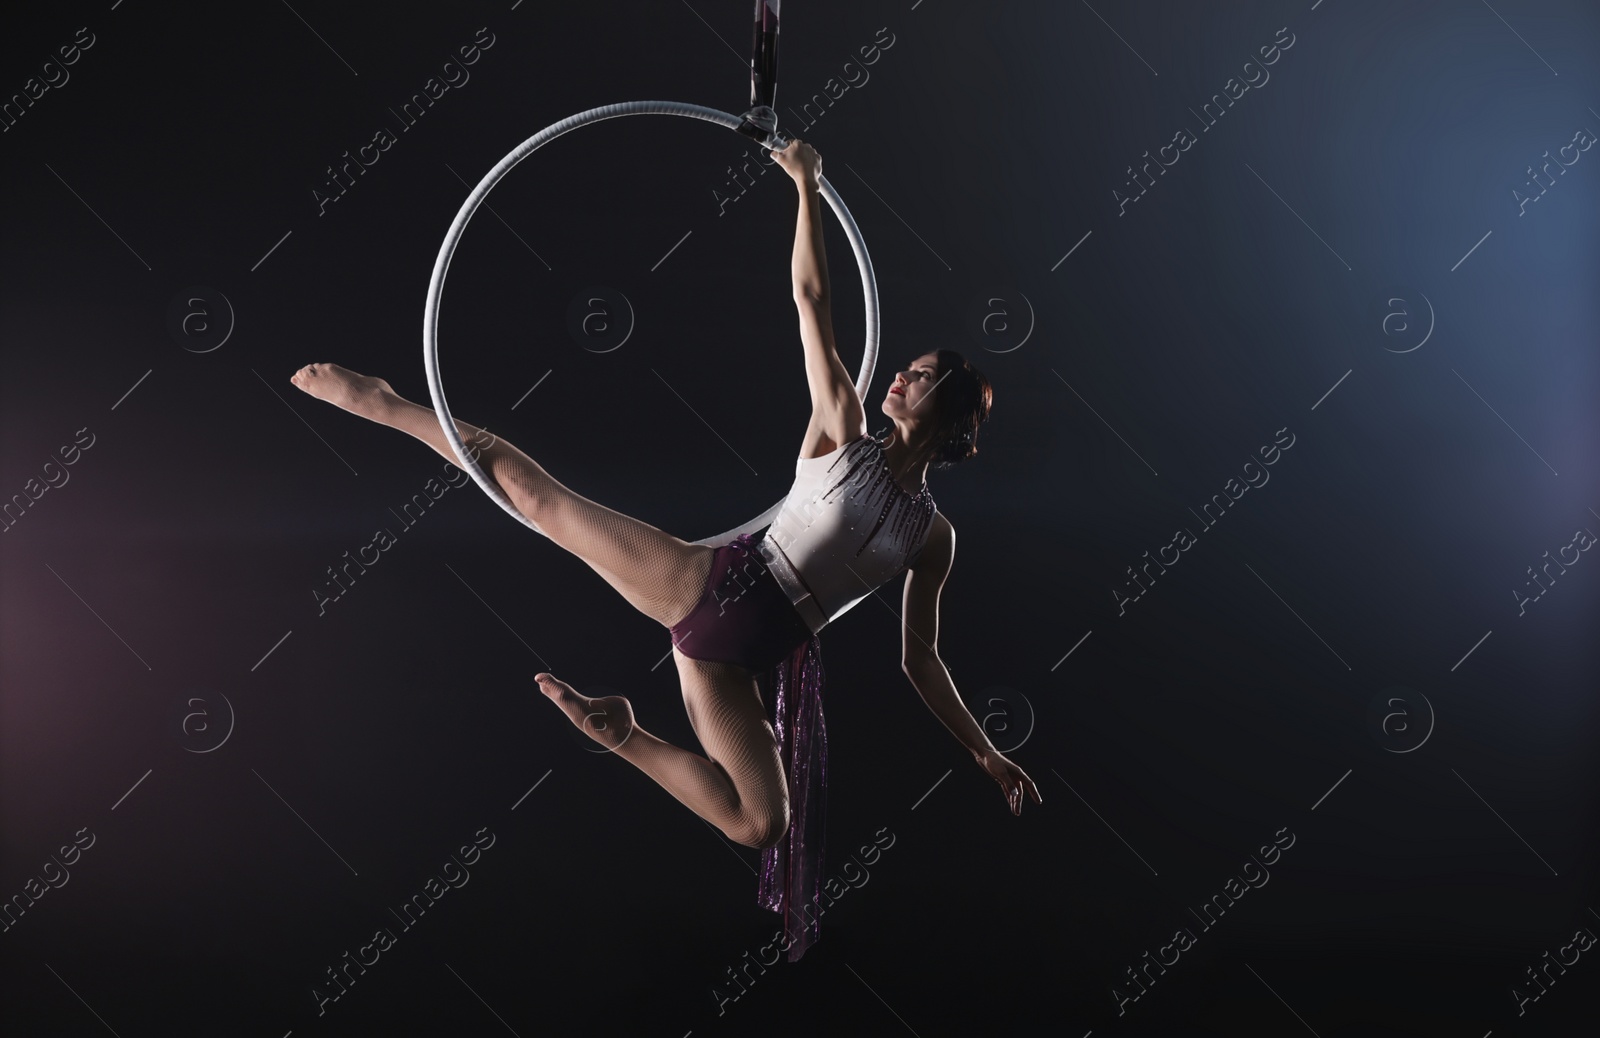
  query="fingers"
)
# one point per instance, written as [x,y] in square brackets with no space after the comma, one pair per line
[1017,787]
[802,151]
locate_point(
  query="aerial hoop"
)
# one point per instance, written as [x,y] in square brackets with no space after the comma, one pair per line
[756,125]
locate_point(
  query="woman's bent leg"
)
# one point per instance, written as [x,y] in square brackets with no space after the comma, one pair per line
[739,786]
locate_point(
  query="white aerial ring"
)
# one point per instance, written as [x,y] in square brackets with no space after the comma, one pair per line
[430,319]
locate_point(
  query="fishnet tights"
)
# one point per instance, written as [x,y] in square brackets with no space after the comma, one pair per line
[739,786]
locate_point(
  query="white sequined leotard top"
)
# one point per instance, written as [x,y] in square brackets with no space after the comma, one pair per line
[846,527]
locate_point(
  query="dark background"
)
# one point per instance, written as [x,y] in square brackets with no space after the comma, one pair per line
[1345,660]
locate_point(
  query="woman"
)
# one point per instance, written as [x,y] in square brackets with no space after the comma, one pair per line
[752,609]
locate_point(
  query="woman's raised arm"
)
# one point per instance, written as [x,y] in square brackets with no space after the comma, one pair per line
[836,410]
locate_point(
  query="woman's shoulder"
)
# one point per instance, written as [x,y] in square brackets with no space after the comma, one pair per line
[938,544]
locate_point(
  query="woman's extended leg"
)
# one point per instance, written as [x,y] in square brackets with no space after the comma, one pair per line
[739,786]
[660,575]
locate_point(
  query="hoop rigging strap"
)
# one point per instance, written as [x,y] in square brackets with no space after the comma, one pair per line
[764,54]
[441,265]
[761,122]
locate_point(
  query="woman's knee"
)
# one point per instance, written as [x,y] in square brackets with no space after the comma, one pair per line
[765,827]
[534,494]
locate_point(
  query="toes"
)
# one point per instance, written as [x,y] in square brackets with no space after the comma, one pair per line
[608,720]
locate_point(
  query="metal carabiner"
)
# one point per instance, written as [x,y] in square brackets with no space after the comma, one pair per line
[761,124]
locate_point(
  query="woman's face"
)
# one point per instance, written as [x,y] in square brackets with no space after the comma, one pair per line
[911,389]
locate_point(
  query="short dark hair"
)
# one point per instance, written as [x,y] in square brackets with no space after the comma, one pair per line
[962,402]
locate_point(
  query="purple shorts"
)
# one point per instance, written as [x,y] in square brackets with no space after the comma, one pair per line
[743,616]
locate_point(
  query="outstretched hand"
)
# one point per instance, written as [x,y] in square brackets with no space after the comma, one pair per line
[800,160]
[1013,780]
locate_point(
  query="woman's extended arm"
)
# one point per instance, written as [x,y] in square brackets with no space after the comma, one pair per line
[928,674]
[836,411]
[809,264]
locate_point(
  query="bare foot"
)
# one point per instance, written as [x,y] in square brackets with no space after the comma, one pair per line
[608,720]
[342,387]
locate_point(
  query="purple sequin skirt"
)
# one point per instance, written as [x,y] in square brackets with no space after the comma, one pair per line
[791,872]
[744,617]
